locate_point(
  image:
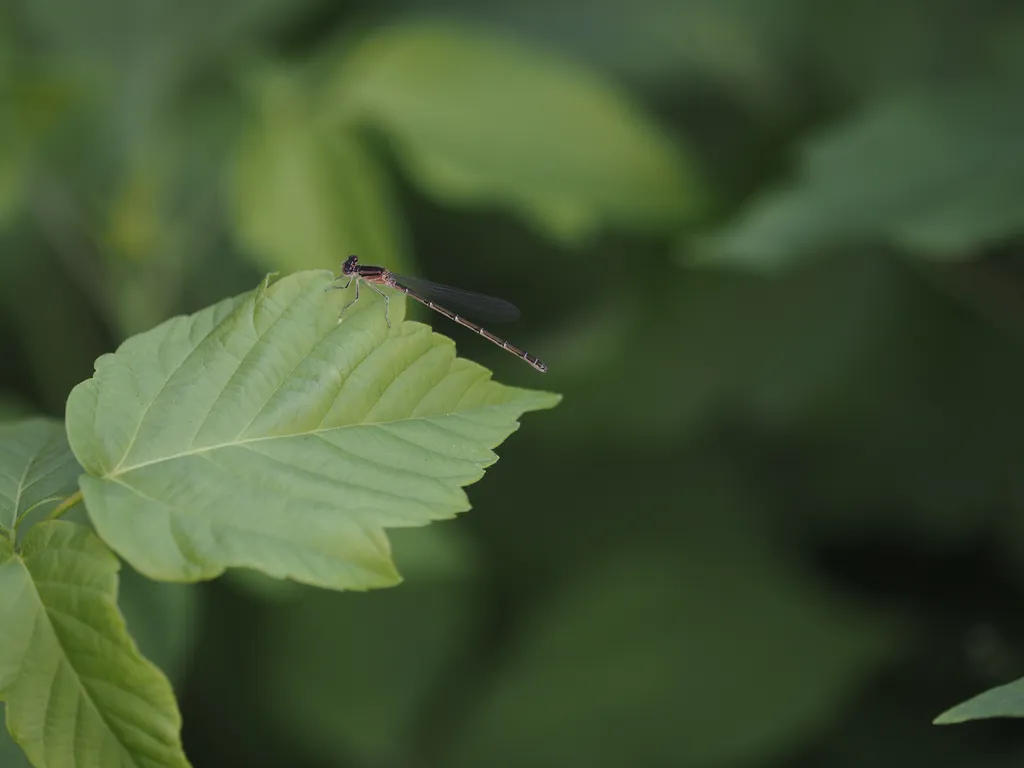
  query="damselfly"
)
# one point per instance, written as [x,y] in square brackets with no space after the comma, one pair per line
[438,298]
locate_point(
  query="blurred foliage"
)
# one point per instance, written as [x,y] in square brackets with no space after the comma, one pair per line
[944,181]
[303,190]
[476,120]
[774,255]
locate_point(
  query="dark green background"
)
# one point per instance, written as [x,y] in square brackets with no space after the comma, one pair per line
[776,520]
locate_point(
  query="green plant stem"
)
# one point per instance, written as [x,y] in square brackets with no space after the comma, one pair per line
[65,505]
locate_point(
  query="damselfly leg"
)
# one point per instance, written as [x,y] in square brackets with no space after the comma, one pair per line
[387,302]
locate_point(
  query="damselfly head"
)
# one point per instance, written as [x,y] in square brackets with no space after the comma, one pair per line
[350,266]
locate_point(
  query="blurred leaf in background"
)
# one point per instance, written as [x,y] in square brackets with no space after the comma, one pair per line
[633,658]
[306,191]
[477,119]
[944,177]
[1003,701]
[733,44]
[671,672]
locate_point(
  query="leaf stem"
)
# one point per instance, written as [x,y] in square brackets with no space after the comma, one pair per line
[65,505]
[39,503]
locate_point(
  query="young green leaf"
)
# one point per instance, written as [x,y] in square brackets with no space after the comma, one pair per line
[36,465]
[263,433]
[303,191]
[1001,701]
[480,120]
[77,690]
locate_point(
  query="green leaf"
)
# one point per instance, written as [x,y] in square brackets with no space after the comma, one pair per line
[939,172]
[36,464]
[480,120]
[430,552]
[263,433]
[1002,701]
[306,193]
[77,690]
[698,653]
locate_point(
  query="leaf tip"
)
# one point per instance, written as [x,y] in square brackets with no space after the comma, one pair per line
[540,399]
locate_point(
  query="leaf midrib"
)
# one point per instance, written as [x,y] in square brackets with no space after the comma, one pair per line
[22,487]
[191,353]
[121,470]
[78,677]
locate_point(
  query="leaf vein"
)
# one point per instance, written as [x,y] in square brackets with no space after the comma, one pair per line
[285,379]
[163,387]
[253,348]
[113,474]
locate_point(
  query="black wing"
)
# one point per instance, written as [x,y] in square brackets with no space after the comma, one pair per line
[473,305]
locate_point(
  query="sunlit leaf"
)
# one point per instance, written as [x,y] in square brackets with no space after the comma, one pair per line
[1002,701]
[305,193]
[77,690]
[36,464]
[939,172]
[262,433]
[480,120]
